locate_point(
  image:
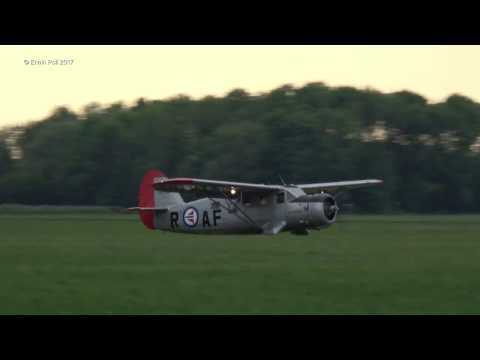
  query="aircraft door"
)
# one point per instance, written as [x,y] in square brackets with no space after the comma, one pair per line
[280,208]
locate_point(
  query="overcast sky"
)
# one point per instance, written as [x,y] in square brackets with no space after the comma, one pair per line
[106,74]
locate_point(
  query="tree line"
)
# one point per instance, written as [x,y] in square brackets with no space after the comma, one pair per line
[428,154]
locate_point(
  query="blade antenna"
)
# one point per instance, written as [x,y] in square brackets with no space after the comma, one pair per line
[281,179]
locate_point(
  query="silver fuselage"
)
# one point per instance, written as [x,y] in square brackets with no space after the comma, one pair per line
[222,215]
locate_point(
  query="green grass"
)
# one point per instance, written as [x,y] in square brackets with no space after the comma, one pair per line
[110,264]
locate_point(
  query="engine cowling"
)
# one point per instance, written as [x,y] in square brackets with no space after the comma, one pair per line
[323,210]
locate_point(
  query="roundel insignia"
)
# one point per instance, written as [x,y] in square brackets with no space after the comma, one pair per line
[190,217]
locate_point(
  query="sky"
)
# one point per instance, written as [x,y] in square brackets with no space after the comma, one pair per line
[32,85]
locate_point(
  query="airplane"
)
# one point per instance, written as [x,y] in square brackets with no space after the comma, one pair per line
[228,207]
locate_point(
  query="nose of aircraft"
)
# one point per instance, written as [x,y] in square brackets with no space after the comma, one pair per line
[324,212]
[331,209]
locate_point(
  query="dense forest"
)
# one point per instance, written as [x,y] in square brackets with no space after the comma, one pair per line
[428,154]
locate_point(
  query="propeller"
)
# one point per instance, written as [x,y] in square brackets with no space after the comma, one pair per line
[330,208]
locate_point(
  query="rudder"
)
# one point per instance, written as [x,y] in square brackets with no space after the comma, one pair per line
[148,197]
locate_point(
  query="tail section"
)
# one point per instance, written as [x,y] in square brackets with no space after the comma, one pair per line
[151,200]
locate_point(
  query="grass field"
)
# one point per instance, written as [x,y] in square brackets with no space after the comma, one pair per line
[110,264]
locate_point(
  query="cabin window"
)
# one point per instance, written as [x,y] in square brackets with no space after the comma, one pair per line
[280,197]
[254,198]
[248,197]
[191,196]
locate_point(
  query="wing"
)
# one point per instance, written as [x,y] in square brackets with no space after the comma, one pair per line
[333,187]
[208,187]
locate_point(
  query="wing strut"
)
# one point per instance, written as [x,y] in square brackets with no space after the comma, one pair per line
[248,218]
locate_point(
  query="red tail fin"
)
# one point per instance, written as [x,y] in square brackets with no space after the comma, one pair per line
[146,198]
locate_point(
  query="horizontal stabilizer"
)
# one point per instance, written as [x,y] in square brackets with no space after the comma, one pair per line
[136,208]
